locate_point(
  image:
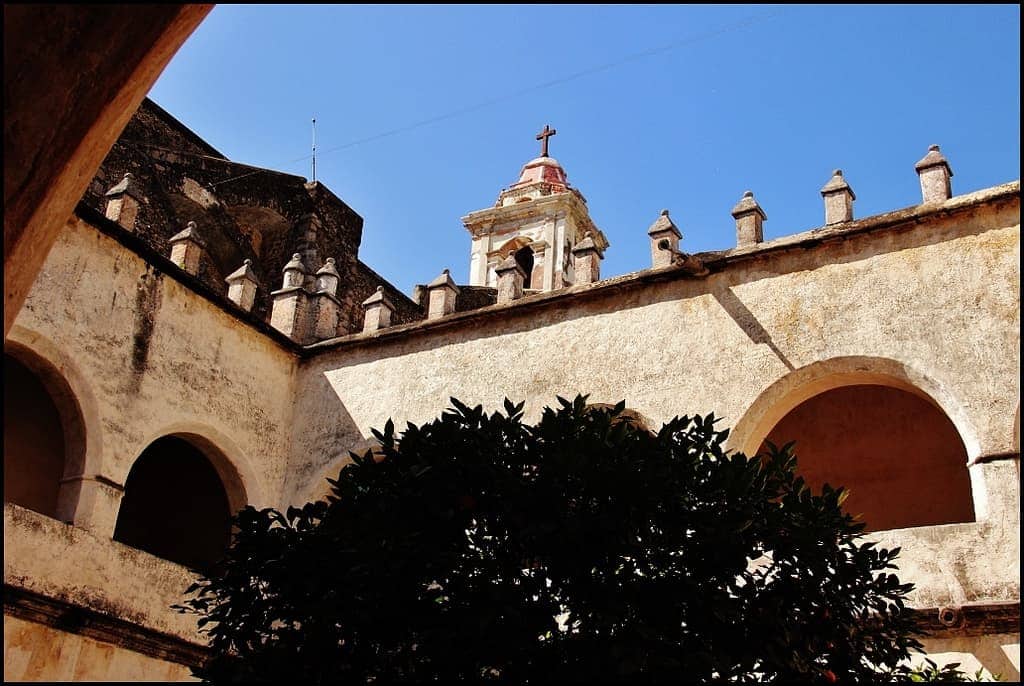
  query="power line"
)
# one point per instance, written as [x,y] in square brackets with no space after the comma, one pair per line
[556,82]
[690,40]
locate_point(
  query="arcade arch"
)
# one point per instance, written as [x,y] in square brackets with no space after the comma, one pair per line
[891,444]
[178,501]
[44,434]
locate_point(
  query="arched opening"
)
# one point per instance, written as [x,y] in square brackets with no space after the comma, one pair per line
[524,258]
[175,505]
[899,455]
[35,445]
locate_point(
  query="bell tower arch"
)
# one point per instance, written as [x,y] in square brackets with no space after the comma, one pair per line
[540,211]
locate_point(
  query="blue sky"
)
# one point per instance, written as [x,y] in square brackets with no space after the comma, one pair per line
[665,106]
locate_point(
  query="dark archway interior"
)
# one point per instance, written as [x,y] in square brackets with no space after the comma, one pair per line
[175,506]
[34,447]
[899,455]
[524,258]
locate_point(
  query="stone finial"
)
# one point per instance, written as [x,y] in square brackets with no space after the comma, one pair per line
[123,202]
[187,248]
[189,233]
[290,313]
[749,218]
[125,185]
[293,312]
[839,199]
[441,294]
[934,173]
[242,285]
[327,316]
[665,237]
[294,272]
[586,260]
[379,309]
[510,280]
[327,278]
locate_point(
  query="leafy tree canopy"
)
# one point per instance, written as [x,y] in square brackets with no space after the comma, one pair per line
[582,549]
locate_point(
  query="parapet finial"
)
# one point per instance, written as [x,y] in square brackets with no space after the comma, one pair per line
[749,216]
[189,233]
[664,213]
[839,199]
[187,248]
[293,272]
[242,285]
[935,174]
[443,292]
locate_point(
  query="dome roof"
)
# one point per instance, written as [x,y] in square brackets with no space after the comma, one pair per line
[543,169]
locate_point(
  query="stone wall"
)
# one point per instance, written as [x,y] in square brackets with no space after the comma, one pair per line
[56,560]
[363,285]
[146,357]
[927,300]
[36,652]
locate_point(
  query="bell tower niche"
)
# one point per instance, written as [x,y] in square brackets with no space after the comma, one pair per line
[537,220]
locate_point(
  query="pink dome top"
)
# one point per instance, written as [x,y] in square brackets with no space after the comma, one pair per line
[543,170]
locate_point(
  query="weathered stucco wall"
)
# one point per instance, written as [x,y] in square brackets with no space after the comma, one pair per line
[57,560]
[34,652]
[146,357]
[930,304]
[996,654]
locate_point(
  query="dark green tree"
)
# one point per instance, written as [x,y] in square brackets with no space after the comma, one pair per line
[582,549]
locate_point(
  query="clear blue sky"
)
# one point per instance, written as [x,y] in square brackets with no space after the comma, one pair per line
[766,98]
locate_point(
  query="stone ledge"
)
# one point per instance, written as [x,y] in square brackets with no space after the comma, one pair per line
[75,619]
[969,619]
[70,565]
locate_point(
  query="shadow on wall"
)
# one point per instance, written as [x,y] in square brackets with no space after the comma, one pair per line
[324,432]
[746,320]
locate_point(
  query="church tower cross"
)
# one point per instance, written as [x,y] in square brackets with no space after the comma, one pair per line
[543,137]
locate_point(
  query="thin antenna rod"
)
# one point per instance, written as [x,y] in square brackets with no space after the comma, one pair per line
[314,149]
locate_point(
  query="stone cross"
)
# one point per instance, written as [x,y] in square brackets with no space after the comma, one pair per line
[543,137]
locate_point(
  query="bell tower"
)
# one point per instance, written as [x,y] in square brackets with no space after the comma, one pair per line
[538,220]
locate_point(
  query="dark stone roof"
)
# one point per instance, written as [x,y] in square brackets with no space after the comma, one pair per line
[242,212]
